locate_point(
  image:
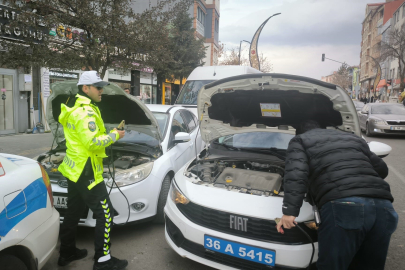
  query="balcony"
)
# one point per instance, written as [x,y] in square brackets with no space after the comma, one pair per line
[200,28]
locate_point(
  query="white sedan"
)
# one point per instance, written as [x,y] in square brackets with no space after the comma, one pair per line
[159,140]
[224,205]
[29,224]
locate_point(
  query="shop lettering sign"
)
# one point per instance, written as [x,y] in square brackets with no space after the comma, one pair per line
[15,32]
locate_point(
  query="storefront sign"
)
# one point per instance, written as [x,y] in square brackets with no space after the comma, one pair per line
[63,75]
[19,33]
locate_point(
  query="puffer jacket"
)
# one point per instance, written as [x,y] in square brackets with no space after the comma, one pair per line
[332,164]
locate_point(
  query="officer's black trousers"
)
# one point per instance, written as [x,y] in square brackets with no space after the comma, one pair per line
[98,201]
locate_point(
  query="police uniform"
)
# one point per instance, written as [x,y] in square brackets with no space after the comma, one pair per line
[86,140]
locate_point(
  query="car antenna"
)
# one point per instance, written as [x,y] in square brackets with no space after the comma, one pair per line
[196,135]
[214,71]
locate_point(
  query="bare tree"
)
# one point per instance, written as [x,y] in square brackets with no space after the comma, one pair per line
[343,77]
[230,56]
[394,48]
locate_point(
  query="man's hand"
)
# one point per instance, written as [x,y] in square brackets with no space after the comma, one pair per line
[121,133]
[287,222]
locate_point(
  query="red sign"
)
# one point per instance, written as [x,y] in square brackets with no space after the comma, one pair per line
[2,171]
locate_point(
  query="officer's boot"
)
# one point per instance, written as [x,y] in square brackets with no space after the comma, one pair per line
[112,264]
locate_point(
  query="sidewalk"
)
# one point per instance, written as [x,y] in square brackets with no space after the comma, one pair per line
[28,145]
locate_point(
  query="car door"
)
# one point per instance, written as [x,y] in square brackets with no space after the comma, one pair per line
[180,150]
[192,128]
[363,115]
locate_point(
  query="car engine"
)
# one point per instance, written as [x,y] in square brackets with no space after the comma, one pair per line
[122,161]
[242,176]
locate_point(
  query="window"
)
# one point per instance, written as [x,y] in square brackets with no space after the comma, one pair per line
[200,16]
[393,73]
[394,17]
[403,11]
[188,117]
[178,124]
[397,16]
[216,25]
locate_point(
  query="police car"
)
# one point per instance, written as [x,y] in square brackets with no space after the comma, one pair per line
[29,223]
[223,208]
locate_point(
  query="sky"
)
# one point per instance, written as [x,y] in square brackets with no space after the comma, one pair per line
[295,40]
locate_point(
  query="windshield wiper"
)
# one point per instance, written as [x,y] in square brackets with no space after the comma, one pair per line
[228,146]
[272,151]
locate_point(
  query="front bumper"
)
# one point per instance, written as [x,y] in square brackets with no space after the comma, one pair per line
[143,192]
[387,129]
[187,239]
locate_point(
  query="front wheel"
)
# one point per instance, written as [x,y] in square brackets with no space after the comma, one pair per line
[10,262]
[368,131]
[164,191]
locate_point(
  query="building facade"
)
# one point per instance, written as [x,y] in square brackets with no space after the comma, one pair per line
[376,27]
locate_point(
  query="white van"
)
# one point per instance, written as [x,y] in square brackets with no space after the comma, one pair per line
[204,75]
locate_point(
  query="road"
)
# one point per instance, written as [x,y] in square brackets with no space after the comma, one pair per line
[144,245]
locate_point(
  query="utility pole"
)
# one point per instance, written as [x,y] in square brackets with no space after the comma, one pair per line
[240,45]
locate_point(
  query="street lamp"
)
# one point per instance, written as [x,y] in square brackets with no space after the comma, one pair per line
[240,44]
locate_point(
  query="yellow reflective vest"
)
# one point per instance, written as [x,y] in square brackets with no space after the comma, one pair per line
[86,137]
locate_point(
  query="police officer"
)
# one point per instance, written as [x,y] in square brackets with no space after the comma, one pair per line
[86,140]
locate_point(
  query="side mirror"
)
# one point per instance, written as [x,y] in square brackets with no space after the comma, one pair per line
[380,149]
[182,137]
[363,113]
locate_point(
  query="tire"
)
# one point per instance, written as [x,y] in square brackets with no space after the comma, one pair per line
[10,262]
[368,132]
[164,191]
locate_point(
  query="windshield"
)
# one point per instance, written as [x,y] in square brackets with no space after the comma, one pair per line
[162,121]
[189,92]
[388,109]
[257,140]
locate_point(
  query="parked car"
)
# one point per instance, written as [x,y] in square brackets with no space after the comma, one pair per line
[224,205]
[358,104]
[29,224]
[201,76]
[159,140]
[382,118]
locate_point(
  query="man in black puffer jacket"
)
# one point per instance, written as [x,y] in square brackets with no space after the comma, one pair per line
[345,180]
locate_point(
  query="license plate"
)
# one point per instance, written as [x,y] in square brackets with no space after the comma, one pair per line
[250,253]
[397,128]
[60,202]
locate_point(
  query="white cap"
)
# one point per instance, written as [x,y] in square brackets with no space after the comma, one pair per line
[92,78]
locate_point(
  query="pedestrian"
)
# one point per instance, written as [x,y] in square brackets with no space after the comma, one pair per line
[86,140]
[344,179]
[127,91]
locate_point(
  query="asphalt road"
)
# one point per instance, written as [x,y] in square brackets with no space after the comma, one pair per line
[144,245]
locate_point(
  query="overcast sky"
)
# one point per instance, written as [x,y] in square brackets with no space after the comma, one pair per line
[295,40]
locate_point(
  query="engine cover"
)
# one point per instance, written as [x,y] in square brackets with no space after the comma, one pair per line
[249,179]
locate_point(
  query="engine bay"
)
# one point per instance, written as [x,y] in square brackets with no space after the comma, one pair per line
[250,177]
[121,160]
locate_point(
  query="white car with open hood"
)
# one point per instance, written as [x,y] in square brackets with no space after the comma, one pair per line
[223,205]
[159,140]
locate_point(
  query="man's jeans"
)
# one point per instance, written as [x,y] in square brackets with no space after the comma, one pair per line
[355,229]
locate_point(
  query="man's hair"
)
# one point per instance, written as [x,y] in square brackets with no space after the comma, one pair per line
[308,125]
[126,89]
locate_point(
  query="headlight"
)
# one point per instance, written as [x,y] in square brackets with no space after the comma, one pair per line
[177,196]
[131,176]
[378,122]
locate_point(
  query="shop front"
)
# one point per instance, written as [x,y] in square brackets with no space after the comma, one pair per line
[59,76]
[148,87]
[8,101]
[120,77]
[171,90]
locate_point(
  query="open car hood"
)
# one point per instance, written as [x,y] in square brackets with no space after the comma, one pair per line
[274,103]
[115,106]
